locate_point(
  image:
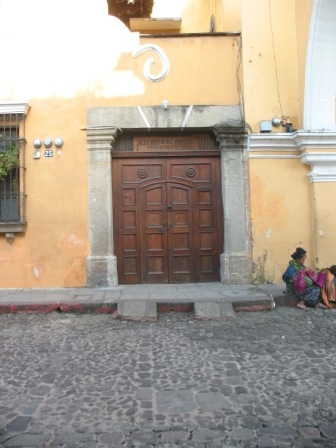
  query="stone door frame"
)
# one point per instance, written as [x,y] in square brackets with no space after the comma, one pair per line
[104,125]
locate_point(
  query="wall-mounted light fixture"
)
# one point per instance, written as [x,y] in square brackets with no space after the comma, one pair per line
[58,142]
[266,126]
[276,121]
[37,143]
[48,142]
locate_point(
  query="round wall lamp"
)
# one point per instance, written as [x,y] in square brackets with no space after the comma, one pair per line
[276,121]
[48,142]
[58,142]
[37,143]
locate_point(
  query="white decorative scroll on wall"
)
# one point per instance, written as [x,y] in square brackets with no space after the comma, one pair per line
[148,65]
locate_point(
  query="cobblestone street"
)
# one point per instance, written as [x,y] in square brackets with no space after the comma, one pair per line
[265,379]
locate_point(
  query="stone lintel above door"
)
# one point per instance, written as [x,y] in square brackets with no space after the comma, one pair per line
[164,117]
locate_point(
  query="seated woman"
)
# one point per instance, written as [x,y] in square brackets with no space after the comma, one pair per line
[298,282]
[328,291]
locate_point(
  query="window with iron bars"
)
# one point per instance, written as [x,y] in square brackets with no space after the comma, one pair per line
[12,172]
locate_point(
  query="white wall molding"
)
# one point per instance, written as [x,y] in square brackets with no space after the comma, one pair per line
[323,166]
[296,141]
[315,140]
[267,142]
[317,149]
[14,107]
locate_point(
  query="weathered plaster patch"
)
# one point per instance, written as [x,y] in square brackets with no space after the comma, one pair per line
[38,270]
[75,241]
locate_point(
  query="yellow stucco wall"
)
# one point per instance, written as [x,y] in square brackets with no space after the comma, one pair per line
[287,211]
[53,250]
[280,215]
[66,77]
[202,72]
[270,67]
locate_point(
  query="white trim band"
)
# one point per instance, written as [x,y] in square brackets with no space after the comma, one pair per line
[14,107]
[313,148]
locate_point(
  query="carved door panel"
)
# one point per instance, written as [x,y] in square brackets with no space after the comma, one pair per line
[167,239]
[180,232]
[153,231]
[167,219]
[197,217]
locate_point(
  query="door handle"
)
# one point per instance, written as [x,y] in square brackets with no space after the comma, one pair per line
[169,208]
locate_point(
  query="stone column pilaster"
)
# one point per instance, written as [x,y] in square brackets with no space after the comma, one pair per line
[319,152]
[101,264]
[236,256]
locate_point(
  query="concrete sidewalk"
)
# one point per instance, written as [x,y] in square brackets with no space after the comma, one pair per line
[143,302]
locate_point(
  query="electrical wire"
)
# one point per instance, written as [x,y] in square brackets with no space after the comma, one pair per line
[275,62]
[238,70]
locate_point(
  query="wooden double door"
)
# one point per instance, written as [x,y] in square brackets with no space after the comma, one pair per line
[167,219]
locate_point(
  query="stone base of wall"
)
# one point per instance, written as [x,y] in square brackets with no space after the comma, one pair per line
[235,269]
[101,271]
